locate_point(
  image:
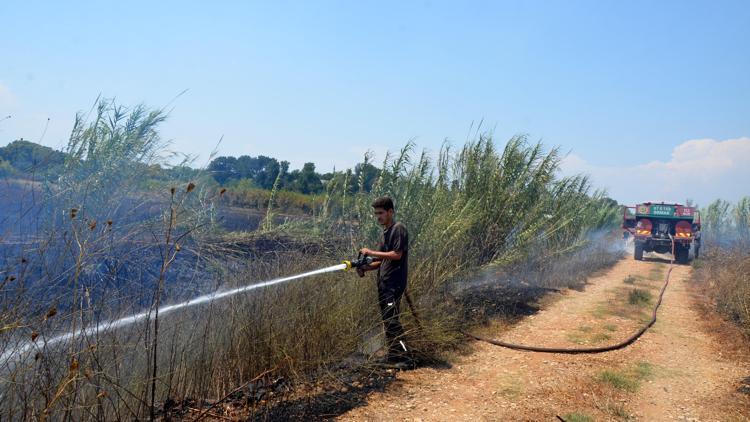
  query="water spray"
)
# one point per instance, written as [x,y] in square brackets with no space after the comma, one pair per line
[129,320]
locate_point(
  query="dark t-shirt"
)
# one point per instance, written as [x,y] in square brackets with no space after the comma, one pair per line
[391,273]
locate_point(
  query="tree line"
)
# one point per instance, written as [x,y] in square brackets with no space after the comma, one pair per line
[263,172]
[24,159]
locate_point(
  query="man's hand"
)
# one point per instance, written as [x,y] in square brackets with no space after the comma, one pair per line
[366,251]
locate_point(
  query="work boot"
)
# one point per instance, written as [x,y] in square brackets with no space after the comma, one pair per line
[391,363]
[400,358]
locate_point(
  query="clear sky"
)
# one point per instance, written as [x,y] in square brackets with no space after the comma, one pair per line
[636,91]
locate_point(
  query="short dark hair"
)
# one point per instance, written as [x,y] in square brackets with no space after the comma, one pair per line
[383,202]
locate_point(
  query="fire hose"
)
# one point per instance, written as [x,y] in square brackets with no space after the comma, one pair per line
[627,342]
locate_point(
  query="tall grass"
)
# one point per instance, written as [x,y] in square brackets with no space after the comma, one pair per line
[725,224]
[108,244]
[725,269]
[101,246]
[476,207]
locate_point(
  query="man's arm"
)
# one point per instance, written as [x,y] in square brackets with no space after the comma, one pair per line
[392,255]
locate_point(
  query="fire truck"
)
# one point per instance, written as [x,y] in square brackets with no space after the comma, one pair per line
[663,228]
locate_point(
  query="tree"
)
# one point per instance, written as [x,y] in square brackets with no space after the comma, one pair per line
[27,157]
[306,181]
[370,174]
[269,170]
[223,169]
[263,171]
[247,167]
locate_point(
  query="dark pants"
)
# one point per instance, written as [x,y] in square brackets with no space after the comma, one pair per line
[389,299]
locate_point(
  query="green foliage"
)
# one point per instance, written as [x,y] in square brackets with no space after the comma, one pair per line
[365,175]
[27,158]
[577,417]
[107,156]
[305,181]
[741,214]
[714,218]
[628,379]
[116,136]
[618,380]
[6,170]
[639,297]
[115,154]
[505,205]
[243,193]
[724,223]
[262,170]
[644,370]
[223,169]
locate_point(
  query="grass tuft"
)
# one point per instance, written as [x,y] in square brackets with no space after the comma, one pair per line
[618,380]
[628,379]
[577,417]
[639,297]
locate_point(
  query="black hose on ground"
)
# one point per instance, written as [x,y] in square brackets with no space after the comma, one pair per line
[627,342]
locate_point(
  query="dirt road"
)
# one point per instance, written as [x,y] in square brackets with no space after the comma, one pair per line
[680,370]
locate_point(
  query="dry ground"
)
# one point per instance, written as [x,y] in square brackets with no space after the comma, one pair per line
[682,369]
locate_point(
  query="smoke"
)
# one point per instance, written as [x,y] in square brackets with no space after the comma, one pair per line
[554,269]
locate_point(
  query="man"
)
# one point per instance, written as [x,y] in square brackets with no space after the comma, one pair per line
[391,260]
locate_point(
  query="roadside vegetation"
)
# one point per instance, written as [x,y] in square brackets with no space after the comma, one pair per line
[114,230]
[724,269]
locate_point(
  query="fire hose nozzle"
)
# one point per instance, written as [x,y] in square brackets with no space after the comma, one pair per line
[361,261]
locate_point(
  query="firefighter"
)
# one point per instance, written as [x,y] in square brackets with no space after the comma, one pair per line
[391,260]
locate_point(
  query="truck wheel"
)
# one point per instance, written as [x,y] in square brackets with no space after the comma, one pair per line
[638,253]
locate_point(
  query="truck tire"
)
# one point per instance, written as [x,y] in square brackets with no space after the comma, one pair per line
[638,252]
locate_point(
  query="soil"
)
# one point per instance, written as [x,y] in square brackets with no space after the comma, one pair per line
[690,366]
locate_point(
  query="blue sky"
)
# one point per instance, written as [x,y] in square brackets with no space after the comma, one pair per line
[623,86]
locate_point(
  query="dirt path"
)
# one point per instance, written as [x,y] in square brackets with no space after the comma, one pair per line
[676,371]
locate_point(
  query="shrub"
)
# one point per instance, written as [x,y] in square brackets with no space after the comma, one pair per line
[639,297]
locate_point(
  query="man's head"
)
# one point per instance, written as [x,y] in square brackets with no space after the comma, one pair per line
[383,209]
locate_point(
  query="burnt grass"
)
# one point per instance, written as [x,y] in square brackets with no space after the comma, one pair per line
[511,301]
[325,395]
[512,294]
